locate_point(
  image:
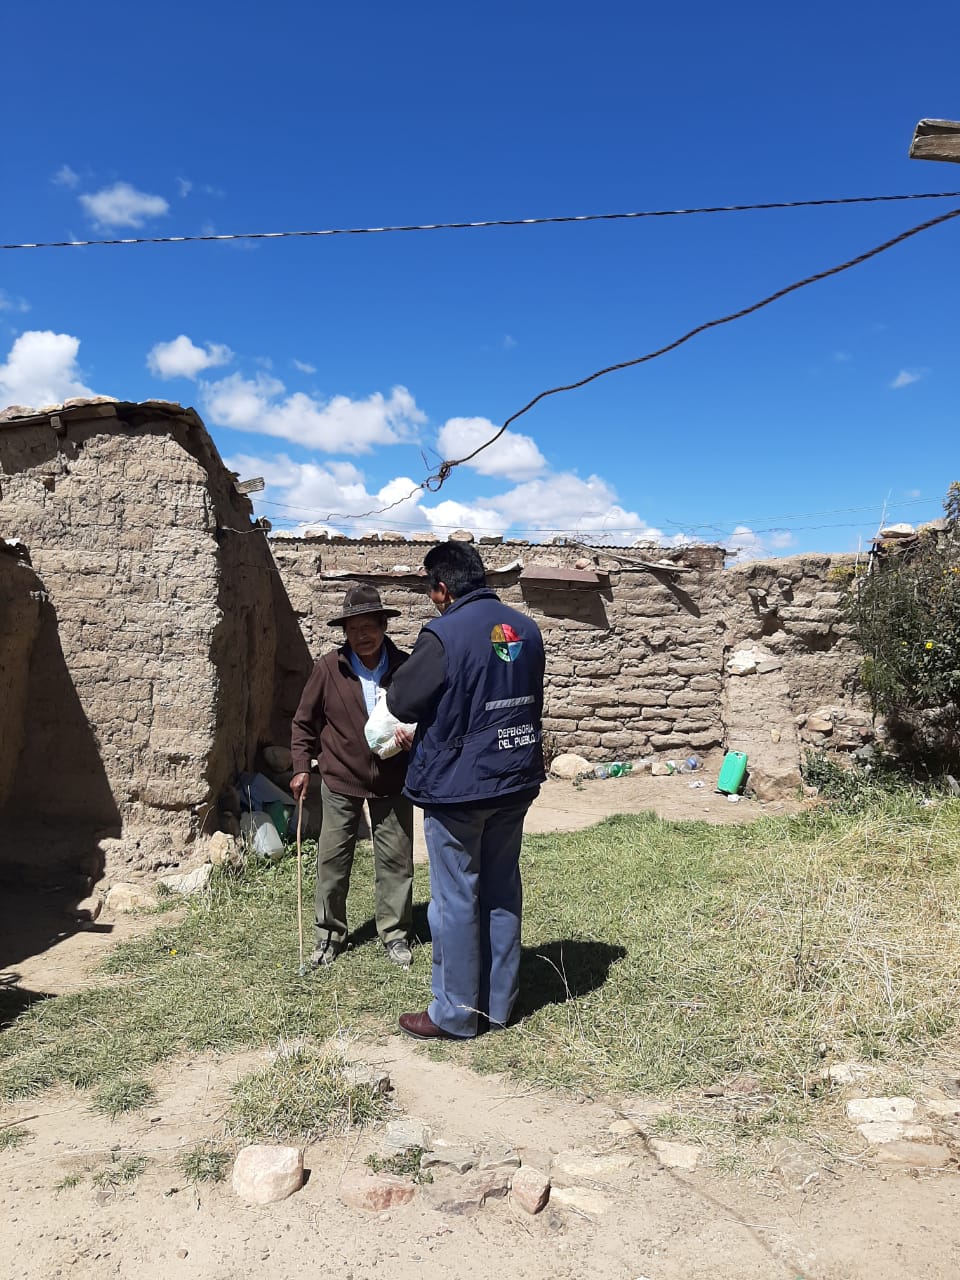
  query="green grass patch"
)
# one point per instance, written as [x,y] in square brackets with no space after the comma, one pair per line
[204,1163]
[657,956]
[13,1136]
[405,1164]
[116,1096]
[119,1171]
[301,1096]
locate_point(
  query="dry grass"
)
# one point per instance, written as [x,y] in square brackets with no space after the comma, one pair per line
[657,957]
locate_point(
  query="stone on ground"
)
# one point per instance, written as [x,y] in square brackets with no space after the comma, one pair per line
[401,1135]
[880,1131]
[569,766]
[675,1155]
[190,882]
[795,1167]
[530,1189]
[123,898]
[864,1110]
[375,1191]
[914,1155]
[467,1196]
[581,1199]
[263,1174]
[947,1109]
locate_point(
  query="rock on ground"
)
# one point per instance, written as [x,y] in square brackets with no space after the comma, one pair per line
[914,1155]
[864,1110]
[675,1155]
[467,1196]
[190,882]
[401,1135]
[375,1191]
[569,766]
[530,1189]
[582,1199]
[459,1159]
[263,1174]
[123,898]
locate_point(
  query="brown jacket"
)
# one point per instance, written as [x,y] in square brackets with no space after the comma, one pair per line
[328,727]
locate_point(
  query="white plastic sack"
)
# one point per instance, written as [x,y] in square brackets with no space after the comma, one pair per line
[381,727]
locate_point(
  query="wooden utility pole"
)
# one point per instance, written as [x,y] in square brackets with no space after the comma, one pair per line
[936,140]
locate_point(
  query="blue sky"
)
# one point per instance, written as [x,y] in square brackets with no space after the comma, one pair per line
[334,367]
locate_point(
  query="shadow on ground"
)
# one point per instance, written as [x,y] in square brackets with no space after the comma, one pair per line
[566,969]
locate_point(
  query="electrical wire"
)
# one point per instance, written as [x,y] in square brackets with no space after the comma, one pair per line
[489,222]
[433,483]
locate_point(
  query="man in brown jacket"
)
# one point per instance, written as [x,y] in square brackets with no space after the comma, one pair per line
[328,726]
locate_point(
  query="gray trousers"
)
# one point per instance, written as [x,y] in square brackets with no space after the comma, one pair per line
[391,826]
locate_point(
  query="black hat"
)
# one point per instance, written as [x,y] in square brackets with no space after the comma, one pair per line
[361,599]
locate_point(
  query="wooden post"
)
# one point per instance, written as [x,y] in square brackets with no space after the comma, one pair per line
[936,140]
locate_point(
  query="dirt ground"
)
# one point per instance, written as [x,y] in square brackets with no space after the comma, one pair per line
[858,1222]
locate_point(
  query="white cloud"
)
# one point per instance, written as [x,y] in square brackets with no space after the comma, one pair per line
[337,425]
[41,369]
[123,206]
[9,303]
[564,503]
[509,342]
[65,177]
[181,358]
[184,187]
[303,367]
[906,377]
[749,545]
[334,496]
[514,456]
[842,357]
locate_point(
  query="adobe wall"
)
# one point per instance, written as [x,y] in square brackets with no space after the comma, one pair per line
[21,597]
[151,680]
[638,662]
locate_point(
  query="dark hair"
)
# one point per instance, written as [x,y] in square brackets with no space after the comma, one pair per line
[458,565]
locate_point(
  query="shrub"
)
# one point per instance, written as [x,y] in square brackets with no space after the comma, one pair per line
[907,614]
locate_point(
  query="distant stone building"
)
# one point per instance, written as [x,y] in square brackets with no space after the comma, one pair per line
[147,637]
[641,641]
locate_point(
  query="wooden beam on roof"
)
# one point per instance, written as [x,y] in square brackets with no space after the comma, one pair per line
[548,575]
[936,140]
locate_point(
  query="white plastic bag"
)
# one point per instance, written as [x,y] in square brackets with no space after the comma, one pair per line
[381,727]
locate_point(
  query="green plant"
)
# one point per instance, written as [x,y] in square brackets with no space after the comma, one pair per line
[405,1164]
[116,1096]
[301,1095]
[119,1171]
[204,1163]
[13,1136]
[907,615]
[67,1182]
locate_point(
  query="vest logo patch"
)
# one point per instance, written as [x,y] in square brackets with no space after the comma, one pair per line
[506,643]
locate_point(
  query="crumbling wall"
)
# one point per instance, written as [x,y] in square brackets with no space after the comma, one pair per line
[155,680]
[20,600]
[637,659]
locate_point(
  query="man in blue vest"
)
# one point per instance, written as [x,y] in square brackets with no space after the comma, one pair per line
[474,686]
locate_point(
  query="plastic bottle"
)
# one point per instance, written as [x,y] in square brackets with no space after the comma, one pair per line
[616,769]
[690,765]
[601,771]
[262,834]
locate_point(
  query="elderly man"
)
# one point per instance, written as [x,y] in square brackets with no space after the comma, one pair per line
[328,726]
[474,685]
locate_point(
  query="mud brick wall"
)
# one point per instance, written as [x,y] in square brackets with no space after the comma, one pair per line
[636,663]
[21,598]
[151,680]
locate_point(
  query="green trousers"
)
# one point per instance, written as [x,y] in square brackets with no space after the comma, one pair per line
[391,826]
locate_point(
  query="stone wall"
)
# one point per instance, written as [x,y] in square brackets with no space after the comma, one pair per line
[639,660]
[151,679]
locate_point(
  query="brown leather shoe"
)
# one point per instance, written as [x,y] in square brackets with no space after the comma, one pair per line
[420,1026]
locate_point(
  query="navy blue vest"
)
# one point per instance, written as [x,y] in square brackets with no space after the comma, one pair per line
[485,737]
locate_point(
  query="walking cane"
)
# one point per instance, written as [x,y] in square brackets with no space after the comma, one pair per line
[303,969]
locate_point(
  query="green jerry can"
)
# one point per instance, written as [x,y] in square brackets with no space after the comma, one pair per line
[732,772]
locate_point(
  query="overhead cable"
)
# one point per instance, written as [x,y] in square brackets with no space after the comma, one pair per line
[435,482]
[323,232]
